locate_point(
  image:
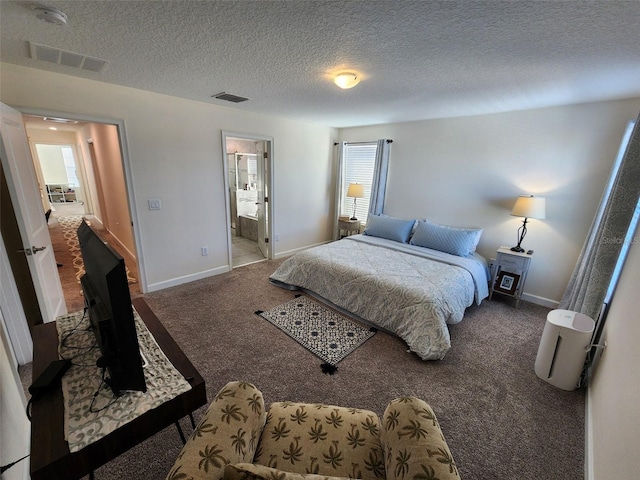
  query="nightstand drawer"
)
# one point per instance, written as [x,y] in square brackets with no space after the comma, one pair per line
[513,264]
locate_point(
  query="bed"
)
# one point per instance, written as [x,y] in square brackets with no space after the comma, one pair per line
[406,289]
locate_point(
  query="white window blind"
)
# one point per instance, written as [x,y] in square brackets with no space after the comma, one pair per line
[359,161]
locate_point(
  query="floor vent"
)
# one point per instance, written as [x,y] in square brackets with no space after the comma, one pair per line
[229,97]
[68,59]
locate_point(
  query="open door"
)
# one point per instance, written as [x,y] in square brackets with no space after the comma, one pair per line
[263,199]
[23,189]
[259,235]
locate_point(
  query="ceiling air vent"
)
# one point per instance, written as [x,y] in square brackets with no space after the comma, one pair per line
[68,59]
[229,97]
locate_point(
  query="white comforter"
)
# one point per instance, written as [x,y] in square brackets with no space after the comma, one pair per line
[408,290]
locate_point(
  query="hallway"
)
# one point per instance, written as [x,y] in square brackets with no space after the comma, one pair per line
[65,246]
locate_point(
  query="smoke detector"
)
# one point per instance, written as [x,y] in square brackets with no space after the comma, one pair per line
[50,15]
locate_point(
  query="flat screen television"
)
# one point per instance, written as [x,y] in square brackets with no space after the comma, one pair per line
[108,304]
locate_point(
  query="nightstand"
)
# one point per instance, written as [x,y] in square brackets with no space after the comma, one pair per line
[350,227]
[510,273]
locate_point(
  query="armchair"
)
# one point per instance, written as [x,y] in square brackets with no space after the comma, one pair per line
[238,440]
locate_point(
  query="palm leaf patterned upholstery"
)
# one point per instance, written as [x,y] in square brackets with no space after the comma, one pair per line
[237,440]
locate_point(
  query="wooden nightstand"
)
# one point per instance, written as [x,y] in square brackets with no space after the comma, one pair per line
[350,227]
[510,273]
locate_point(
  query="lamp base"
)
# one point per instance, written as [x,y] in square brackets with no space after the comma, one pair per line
[353,218]
[517,249]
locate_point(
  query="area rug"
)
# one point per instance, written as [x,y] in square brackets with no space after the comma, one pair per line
[69,225]
[320,329]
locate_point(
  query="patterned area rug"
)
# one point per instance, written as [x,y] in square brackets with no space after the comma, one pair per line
[321,330]
[69,225]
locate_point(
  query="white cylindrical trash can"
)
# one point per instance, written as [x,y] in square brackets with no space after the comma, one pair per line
[563,348]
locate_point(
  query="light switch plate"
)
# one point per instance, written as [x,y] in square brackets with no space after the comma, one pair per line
[154,204]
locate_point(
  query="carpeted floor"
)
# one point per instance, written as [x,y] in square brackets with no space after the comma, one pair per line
[500,420]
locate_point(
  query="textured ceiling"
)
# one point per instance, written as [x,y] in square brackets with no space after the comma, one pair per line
[417,59]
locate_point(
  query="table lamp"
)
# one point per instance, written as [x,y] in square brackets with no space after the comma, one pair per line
[356,190]
[527,206]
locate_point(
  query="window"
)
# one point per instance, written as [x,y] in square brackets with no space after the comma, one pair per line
[70,166]
[359,162]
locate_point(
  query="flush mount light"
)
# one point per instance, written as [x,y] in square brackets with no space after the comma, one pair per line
[50,15]
[346,79]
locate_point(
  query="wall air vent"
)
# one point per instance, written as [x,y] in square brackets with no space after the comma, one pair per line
[68,59]
[229,97]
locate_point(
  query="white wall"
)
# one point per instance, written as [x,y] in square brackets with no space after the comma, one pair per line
[52,164]
[468,172]
[175,153]
[614,391]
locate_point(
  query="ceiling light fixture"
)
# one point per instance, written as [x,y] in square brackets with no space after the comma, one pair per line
[346,79]
[50,15]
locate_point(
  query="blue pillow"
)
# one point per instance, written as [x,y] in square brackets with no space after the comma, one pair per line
[392,228]
[453,240]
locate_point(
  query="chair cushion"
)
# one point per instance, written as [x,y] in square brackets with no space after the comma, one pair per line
[227,433]
[249,471]
[413,443]
[322,440]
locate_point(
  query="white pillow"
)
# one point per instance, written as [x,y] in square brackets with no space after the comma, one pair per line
[453,240]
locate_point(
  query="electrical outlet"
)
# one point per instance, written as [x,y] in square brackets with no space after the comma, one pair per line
[204,251]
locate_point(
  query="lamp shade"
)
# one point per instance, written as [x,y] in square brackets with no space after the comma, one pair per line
[356,190]
[529,206]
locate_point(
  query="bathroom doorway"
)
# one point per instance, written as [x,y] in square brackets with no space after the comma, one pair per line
[247,163]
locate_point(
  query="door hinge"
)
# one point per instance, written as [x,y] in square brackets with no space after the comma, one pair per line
[264,154]
[266,199]
[266,240]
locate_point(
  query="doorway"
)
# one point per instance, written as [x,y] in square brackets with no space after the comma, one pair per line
[76,162]
[248,183]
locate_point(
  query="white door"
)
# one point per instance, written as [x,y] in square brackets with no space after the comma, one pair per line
[23,189]
[262,200]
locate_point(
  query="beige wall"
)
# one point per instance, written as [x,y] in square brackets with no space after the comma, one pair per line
[175,154]
[110,175]
[613,415]
[468,172]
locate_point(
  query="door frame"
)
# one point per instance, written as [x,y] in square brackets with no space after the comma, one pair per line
[269,180]
[126,164]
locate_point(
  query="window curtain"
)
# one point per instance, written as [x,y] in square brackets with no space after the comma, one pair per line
[380,172]
[594,270]
[340,168]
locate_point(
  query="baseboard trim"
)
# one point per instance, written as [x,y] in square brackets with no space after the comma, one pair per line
[288,253]
[154,287]
[545,302]
[588,433]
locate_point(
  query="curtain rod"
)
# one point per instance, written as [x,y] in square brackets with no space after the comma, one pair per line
[357,143]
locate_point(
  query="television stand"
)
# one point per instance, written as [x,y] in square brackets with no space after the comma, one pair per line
[50,455]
